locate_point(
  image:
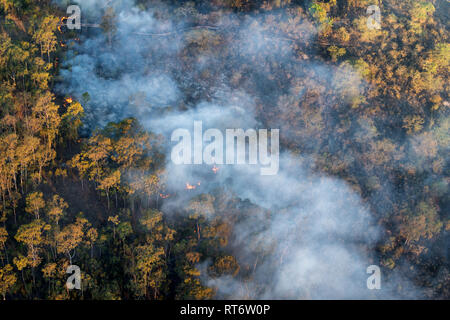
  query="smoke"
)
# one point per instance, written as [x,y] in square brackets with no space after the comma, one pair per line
[312,236]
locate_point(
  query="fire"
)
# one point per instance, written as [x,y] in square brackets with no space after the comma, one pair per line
[215,169]
[164,196]
[190,187]
[68,100]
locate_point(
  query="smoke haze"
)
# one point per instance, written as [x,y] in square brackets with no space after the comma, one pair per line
[311,236]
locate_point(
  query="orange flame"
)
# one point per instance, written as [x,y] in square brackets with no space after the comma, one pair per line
[190,187]
[164,196]
[215,169]
[68,100]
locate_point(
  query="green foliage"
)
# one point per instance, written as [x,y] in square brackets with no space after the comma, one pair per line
[319,12]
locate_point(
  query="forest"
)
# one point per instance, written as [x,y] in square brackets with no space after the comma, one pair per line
[86,176]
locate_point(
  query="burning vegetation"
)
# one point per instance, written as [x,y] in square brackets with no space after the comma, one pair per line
[364,139]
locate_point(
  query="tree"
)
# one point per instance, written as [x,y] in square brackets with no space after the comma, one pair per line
[424,223]
[336,52]
[413,123]
[3,239]
[91,238]
[201,208]
[7,280]
[156,230]
[32,236]
[21,263]
[45,35]
[72,120]
[46,113]
[56,208]
[226,265]
[108,182]
[35,202]
[420,13]
[191,287]
[93,160]
[49,272]
[319,11]
[115,221]
[150,265]
[26,155]
[70,237]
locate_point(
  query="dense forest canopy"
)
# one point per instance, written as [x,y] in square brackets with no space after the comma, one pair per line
[86,177]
